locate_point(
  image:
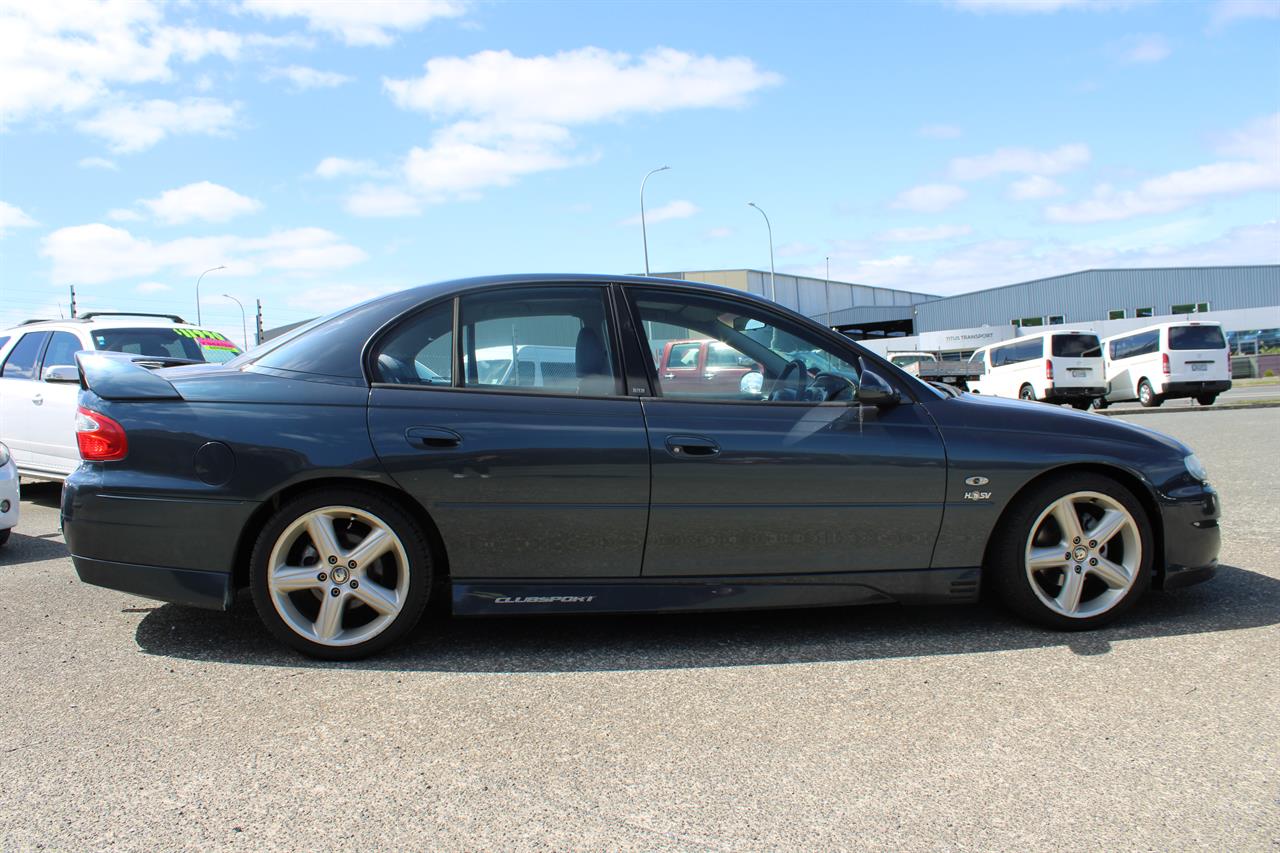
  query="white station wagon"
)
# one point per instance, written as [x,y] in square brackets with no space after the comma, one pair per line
[40,383]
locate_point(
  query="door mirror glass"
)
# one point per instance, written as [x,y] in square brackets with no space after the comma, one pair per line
[874,390]
[61,373]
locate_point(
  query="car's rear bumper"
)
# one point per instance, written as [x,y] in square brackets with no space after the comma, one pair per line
[211,590]
[1191,389]
[1192,537]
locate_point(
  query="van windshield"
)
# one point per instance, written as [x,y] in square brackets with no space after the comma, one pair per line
[1196,337]
[1077,346]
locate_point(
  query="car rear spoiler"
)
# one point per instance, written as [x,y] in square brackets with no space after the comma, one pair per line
[120,376]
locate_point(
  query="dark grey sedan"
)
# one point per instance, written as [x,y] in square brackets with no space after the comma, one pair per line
[511,445]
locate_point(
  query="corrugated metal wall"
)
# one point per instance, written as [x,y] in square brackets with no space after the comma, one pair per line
[1089,295]
[804,294]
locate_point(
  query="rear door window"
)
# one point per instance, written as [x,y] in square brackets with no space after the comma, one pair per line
[21,363]
[1077,346]
[1196,337]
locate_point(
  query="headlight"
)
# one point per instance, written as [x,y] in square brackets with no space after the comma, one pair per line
[4,455]
[1195,467]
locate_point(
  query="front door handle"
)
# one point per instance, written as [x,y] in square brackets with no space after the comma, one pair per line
[692,447]
[668,376]
[433,438]
[38,399]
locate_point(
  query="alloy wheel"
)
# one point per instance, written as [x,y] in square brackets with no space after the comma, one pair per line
[1083,554]
[338,575]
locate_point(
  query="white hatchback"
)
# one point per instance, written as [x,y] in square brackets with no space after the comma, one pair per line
[40,383]
[1167,361]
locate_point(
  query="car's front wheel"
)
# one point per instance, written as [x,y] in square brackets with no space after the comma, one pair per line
[340,573]
[1075,552]
[1026,392]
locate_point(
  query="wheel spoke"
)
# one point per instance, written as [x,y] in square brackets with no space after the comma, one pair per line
[320,529]
[1069,596]
[1111,523]
[1046,558]
[1064,512]
[1112,574]
[329,621]
[381,599]
[288,579]
[373,546]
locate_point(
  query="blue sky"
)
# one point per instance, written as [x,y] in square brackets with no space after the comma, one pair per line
[328,151]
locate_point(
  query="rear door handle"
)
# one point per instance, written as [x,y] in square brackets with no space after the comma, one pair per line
[38,399]
[433,438]
[692,447]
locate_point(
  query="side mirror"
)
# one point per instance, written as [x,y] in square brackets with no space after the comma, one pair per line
[874,390]
[61,373]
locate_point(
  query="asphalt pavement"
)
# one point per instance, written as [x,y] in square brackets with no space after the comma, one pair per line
[136,725]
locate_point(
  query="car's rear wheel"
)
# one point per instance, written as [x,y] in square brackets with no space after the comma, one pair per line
[340,573]
[1147,395]
[1100,403]
[1206,399]
[1073,553]
[1026,392]
[1082,405]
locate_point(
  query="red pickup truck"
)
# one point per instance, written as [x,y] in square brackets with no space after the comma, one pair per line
[703,368]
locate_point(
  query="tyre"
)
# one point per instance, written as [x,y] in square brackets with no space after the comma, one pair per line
[1100,403]
[4,535]
[340,573]
[1082,405]
[1073,553]
[1026,392]
[1147,396]
[1206,399]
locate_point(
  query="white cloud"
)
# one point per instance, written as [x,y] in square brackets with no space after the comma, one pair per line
[98,163]
[678,209]
[139,125]
[360,22]
[1229,11]
[924,233]
[373,201]
[340,167]
[1020,161]
[1257,147]
[124,214]
[512,115]
[1035,187]
[152,287]
[718,233]
[1042,6]
[1145,49]
[96,253]
[13,217]
[929,198]
[303,78]
[940,131]
[203,201]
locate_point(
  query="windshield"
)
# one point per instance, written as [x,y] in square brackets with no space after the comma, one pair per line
[1196,337]
[168,342]
[1077,346]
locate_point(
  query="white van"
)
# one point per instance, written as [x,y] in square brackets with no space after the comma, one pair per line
[535,365]
[1167,361]
[1058,366]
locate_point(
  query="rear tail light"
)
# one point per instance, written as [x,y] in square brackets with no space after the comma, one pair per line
[1048,369]
[1164,362]
[100,438]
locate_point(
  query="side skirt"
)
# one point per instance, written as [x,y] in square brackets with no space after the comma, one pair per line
[473,597]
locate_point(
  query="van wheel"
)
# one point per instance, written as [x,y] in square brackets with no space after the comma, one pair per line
[4,535]
[1100,403]
[1146,396]
[1075,552]
[1026,392]
[1082,405]
[1206,399]
[340,573]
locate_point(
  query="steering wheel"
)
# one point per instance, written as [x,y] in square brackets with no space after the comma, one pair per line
[827,387]
[789,395]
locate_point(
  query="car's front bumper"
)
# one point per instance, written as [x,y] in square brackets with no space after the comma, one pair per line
[1192,537]
[9,496]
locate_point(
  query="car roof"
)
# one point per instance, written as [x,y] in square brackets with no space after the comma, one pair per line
[1164,325]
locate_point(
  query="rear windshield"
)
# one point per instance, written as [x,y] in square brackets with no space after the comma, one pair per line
[168,342]
[1196,337]
[1077,346]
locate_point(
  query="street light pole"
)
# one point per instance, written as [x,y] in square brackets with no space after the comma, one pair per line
[773,291]
[244,325]
[644,234]
[202,275]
